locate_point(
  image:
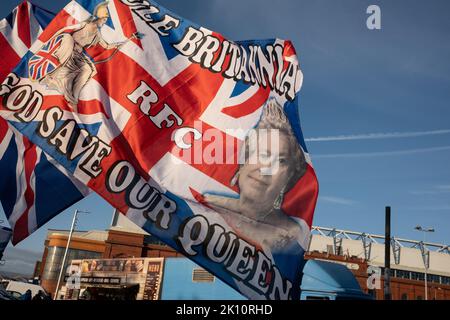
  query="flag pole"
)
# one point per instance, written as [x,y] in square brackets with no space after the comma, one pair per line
[387,256]
[74,221]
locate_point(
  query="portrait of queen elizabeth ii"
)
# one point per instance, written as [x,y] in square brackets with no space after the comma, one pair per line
[257,215]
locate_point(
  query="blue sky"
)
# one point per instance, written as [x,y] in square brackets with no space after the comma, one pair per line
[357,82]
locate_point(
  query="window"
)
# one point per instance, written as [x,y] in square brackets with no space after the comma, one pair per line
[55,256]
[445,280]
[403,274]
[404,296]
[417,276]
[419,298]
[434,278]
[391,272]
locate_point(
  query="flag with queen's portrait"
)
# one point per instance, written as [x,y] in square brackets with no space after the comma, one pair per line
[194,137]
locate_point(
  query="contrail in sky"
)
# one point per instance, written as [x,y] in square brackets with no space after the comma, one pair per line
[379,154]
[369,136]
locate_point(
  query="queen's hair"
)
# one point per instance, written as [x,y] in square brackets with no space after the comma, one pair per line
[274,117]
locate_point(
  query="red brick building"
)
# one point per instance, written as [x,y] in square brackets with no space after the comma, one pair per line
[110,244]
[129,241]
[408,259]
[401,289]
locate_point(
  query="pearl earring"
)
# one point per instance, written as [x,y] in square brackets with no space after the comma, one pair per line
[234,179]
[279,200]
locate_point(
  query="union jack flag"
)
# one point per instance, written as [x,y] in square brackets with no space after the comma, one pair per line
[197,98]
[30,178]
[45,61]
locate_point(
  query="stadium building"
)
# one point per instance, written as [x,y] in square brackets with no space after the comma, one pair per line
[361,253]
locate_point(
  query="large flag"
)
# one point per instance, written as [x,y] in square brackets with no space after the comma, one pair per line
[30,180]
[194,137]
[5,236]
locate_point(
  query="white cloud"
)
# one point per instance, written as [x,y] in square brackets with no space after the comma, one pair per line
[440,189]
[444,207]
[337,200]
[380,154]
[20,261]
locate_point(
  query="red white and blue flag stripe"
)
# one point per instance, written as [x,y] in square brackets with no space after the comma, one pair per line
[30,178]
[154,168]
[45,61]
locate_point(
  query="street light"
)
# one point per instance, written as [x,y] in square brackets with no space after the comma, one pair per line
[74,223]
[426,256]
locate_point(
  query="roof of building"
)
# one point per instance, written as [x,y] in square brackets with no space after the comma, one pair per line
[406,255]
[96,235]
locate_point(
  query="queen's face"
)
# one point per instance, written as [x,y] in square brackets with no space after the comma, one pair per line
[260,187]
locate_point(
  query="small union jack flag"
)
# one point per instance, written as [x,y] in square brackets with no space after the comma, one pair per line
[45,61]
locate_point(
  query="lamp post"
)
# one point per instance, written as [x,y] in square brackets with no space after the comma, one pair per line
[426,255]
[74,223]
